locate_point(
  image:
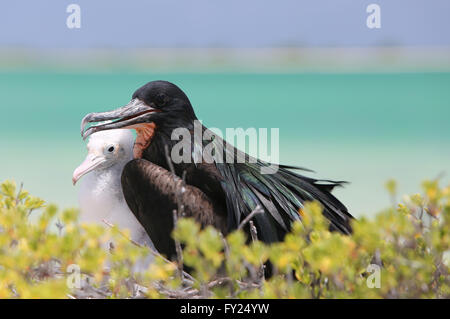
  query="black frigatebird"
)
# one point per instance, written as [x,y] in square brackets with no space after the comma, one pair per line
[218,193]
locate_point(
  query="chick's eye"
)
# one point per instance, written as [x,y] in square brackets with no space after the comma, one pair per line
[111,149]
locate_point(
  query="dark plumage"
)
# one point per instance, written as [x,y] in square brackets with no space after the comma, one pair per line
[216,193]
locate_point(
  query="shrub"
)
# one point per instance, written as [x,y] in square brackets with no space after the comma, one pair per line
[400,253]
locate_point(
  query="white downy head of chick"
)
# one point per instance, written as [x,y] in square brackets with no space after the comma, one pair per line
[100,193]
[107,150]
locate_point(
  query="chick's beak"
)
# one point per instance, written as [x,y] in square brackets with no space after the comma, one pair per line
[90,163]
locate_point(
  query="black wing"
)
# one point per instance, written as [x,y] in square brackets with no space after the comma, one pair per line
[151,193]
[281,193]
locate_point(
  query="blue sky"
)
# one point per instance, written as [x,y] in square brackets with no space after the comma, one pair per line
[231,23]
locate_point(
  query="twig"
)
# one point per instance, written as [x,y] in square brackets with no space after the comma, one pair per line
[254,234]
[180,206]
[60,226]
[177,212]
[120,232]
[253,231]
[257,210]
[18,193]
[178,247]
[225,245]
[187,278]
[168,160]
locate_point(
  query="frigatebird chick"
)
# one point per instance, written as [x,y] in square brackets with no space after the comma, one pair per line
[218,193]
[100,193]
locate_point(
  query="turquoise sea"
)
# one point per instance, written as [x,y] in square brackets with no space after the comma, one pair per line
[361,127]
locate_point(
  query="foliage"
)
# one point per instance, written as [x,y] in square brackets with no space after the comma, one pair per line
[45,256]
[400,253]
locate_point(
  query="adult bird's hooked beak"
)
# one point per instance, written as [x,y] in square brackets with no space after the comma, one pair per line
[129,116]
[90,163]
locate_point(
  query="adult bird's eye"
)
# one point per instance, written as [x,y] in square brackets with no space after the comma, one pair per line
[160,99]
[111,149]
